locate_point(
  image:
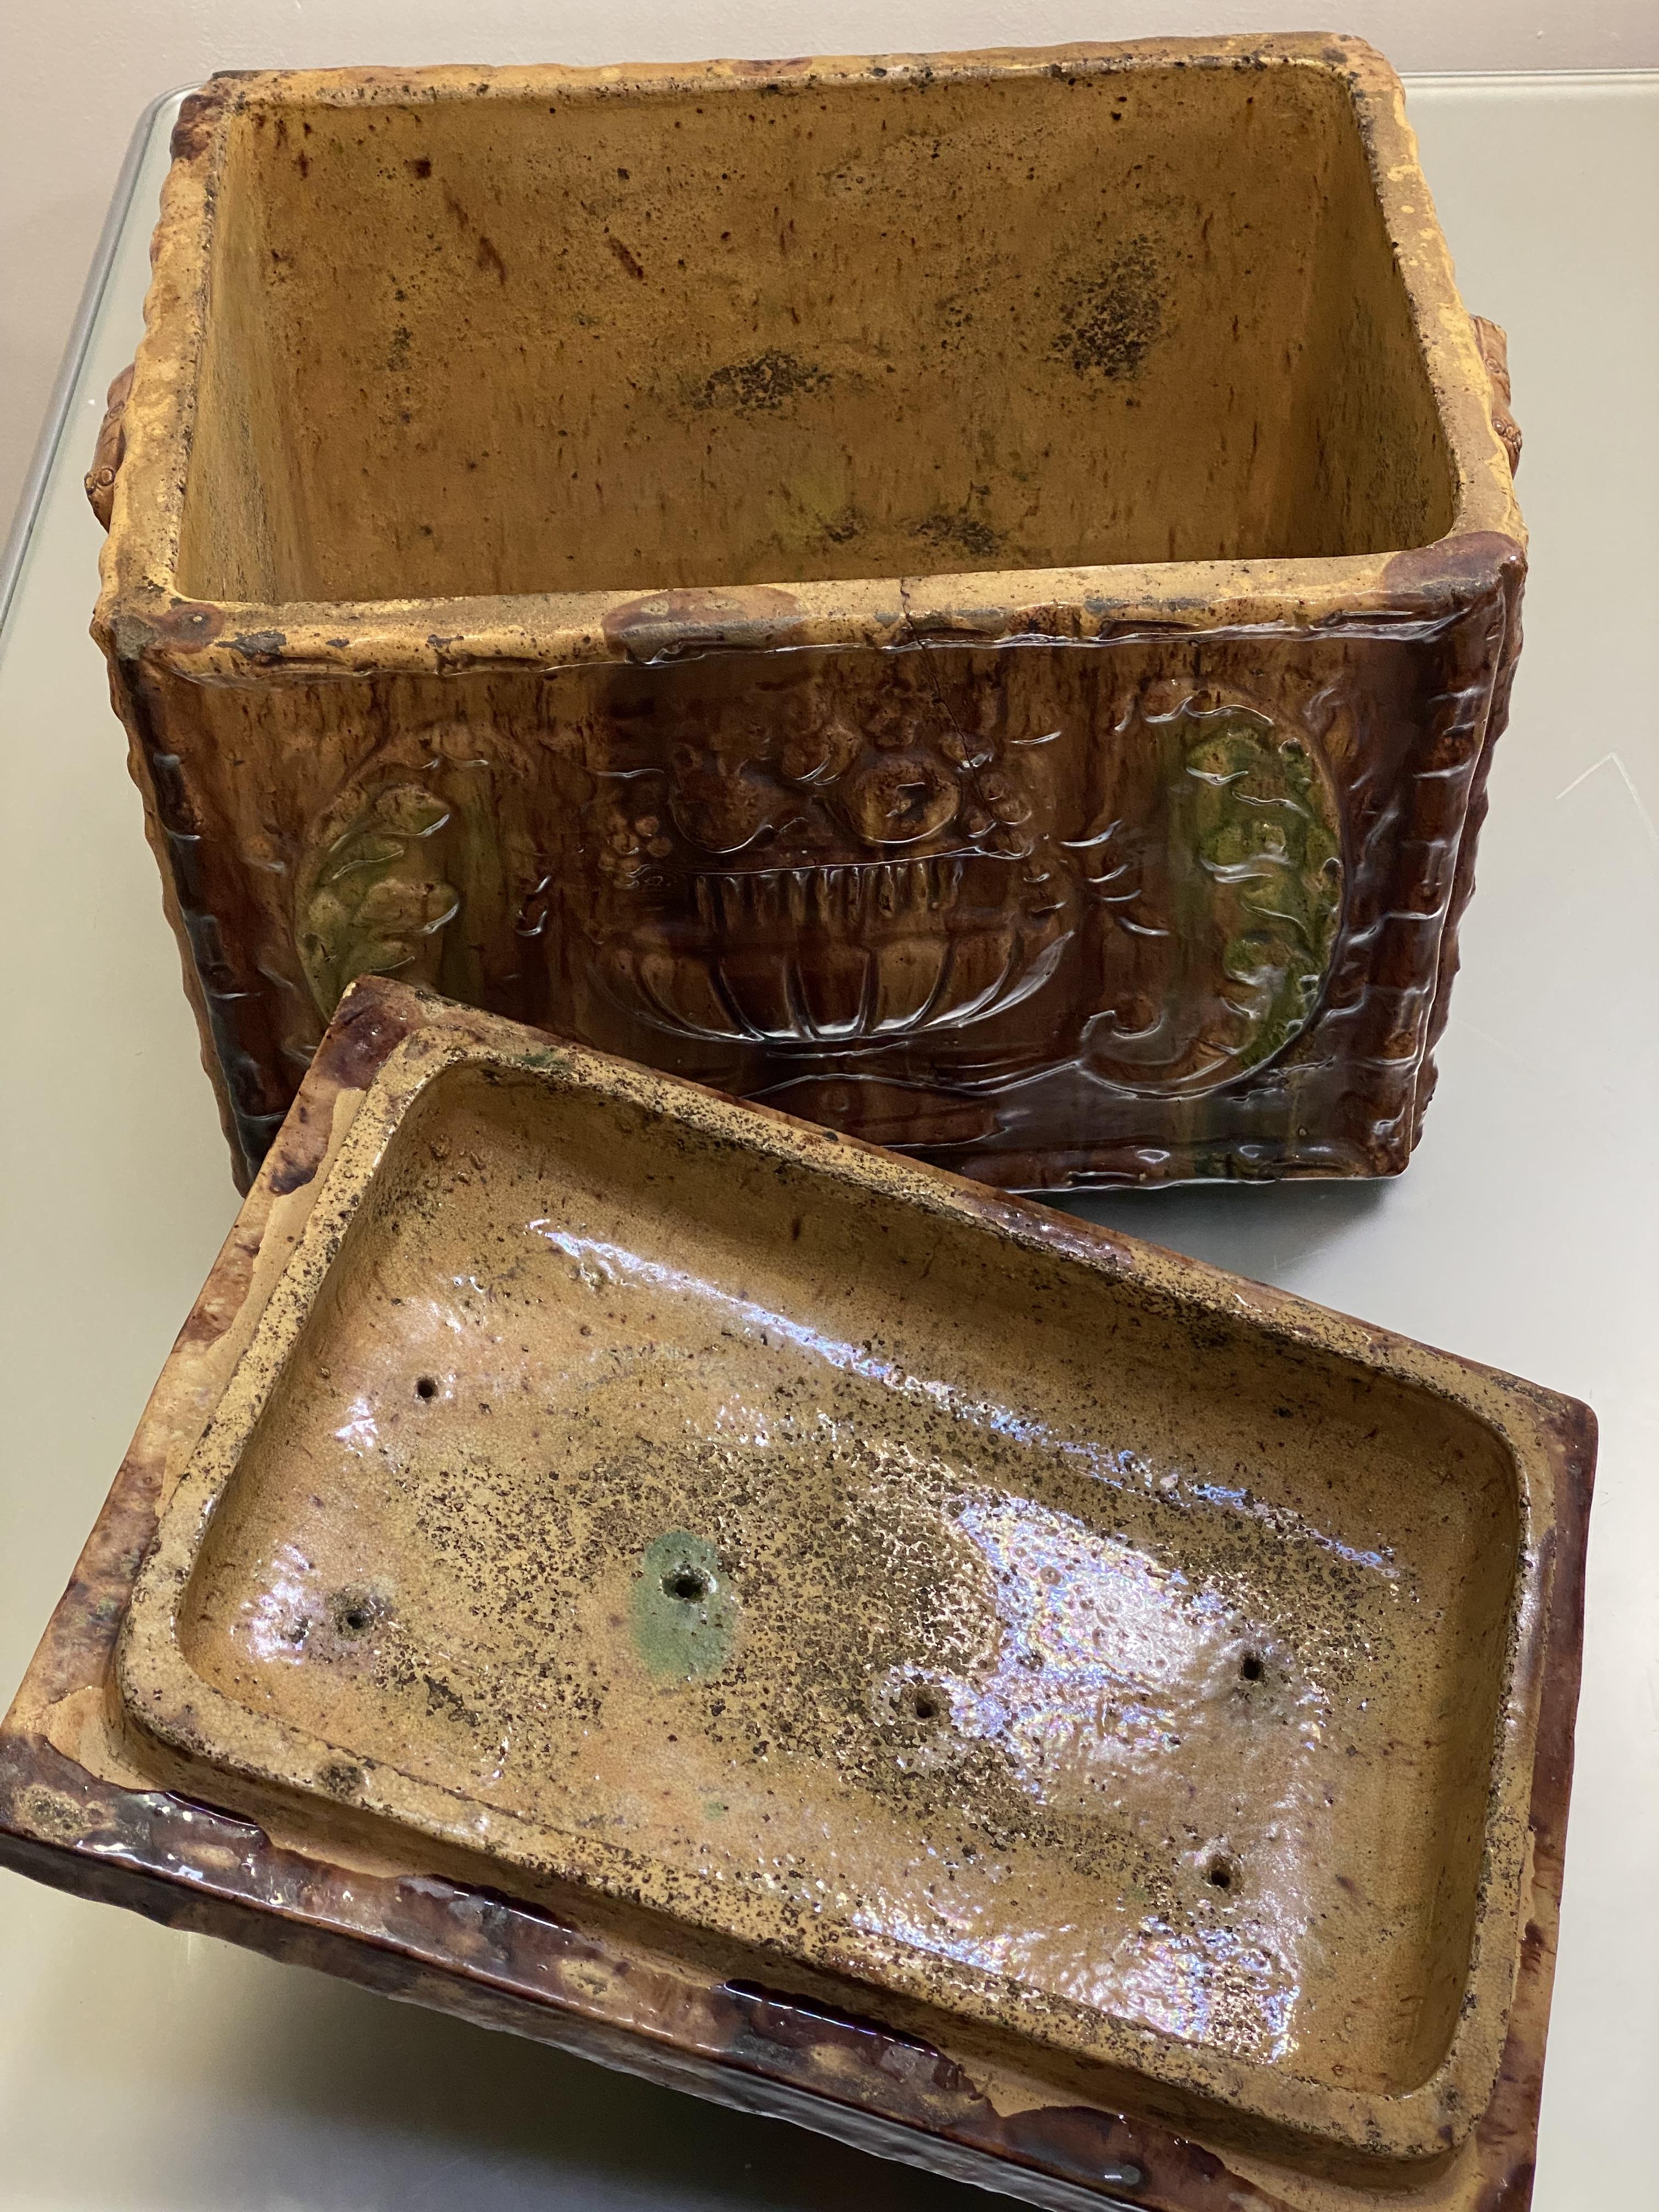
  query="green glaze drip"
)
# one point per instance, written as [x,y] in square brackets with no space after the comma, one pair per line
[1254,816]
[685,1615]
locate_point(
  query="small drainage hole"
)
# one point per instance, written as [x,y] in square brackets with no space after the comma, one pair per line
[1220,1873]
[925,1705]
[686,1585]
[426,1388]
[1251,1668]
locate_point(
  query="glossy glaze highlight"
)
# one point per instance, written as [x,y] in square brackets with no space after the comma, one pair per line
[998,1630]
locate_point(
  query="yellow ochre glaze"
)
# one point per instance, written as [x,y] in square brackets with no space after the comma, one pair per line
[833,1566]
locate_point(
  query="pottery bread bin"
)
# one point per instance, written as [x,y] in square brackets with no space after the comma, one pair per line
[967,597]
[686,1585]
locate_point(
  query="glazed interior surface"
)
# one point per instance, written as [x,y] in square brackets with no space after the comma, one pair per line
[837,1565]
[796,331]
[841,1566]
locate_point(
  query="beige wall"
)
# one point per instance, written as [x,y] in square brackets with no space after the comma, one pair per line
[74,75]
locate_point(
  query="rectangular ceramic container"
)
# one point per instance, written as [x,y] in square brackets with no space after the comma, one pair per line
[968,597]
[689,1586]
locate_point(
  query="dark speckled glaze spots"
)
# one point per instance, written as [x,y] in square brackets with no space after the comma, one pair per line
[710,1521]
[1042,1573]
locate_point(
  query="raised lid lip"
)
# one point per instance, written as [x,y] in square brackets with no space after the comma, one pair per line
[140,614]
[165,1700]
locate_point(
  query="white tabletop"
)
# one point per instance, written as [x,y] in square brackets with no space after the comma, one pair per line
[146,2071]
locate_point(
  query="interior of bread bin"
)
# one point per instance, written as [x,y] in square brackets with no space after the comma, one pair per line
[802,330]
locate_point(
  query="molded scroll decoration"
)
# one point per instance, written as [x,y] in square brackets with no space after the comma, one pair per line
[813,883]
[1223,904]
[1493,342]
[373,899]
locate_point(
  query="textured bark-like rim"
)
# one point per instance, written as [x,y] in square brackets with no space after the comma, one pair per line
[77,1812]
[177,1710]
[140,614]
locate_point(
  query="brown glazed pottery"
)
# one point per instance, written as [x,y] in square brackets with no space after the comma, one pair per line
[968,597]
[678,1582]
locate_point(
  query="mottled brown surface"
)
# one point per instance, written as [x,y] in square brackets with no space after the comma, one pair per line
[968,597]
[727,2014]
